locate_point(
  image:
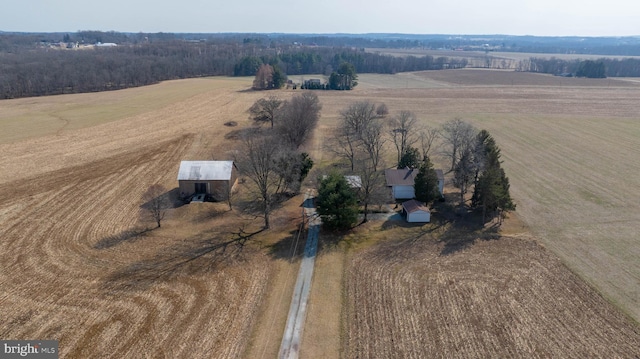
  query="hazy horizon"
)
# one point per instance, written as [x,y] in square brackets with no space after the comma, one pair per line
[493,17]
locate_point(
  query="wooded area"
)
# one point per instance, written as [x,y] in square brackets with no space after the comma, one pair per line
[38,68]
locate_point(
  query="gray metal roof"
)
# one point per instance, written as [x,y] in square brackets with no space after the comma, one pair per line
[205,170]
[412,205]
[401,177]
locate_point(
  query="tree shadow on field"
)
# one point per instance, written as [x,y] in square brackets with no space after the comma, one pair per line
[457,228]
[203,253]
[171,198]
[462,228]
[128,235]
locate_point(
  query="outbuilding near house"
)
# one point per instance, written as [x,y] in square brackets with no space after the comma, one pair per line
[416,212]
[212,178]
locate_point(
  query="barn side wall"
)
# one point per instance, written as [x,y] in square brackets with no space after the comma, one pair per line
[217,189]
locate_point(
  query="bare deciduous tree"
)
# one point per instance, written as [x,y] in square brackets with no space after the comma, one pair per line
[359,131]
[371,185]
[297,118]
[382,110]
[256,160]
[457,136]
[404,131]
[265,109]
[428,137]
[264,77]
[156,202]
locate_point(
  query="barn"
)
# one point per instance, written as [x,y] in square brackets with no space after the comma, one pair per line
[416,212]
[401,182]
[212,178]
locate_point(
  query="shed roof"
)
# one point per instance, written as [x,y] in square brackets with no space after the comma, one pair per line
[354,181]
[205,170]
[412,205]
[400,177]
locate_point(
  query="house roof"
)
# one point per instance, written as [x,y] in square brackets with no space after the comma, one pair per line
[354,181]
[205,170]
[412,205]
[401,177]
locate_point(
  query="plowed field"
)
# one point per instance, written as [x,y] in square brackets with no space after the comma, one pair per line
[72,268]
[498,298]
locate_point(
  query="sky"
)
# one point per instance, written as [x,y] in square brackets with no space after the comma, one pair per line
[469,17]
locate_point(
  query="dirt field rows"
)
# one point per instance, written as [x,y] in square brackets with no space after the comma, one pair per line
[498,298]
[72,271]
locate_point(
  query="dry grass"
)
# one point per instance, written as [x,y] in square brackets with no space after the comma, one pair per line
[69,194]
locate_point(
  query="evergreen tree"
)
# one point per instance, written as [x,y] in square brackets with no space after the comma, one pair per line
[491,191]
[337,202]
[410,158]
[278,78]
[426,183]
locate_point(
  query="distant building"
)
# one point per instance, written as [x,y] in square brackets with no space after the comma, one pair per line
[213,178]
[312,84]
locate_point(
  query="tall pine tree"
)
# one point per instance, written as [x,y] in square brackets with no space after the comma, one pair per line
[337,202]
[426,183]
[491,191]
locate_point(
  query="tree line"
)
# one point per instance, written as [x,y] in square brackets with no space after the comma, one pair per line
[39,71]
[271,158]
[604,67]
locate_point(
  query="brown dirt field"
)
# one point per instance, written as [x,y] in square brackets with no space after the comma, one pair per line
[570,154]
[436,294]
[73,268]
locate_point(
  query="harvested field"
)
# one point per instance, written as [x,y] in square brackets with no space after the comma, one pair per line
[75,266]
[78,265]
[444,296]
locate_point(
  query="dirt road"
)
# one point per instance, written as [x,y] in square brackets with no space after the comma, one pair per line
[298,310]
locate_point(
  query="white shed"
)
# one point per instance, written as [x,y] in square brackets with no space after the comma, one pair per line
[416,212]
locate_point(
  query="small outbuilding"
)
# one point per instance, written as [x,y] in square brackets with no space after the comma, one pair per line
[401,182]
[416,212]
[212,178]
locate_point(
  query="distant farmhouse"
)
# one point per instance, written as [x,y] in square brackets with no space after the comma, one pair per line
[216,179]
[313,84]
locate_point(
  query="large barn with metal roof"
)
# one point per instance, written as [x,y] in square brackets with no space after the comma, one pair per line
[212,178]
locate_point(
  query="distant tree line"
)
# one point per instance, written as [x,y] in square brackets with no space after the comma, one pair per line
[604,67]
[46,71]
[325,60]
